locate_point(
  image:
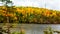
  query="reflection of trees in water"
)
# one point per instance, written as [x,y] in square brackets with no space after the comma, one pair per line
[49,30]
[7,29]
[2,30]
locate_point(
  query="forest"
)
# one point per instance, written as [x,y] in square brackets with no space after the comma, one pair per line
[29,15]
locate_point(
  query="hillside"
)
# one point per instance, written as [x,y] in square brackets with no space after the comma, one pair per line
[31,15]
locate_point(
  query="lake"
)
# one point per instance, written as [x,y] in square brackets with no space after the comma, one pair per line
[35,28]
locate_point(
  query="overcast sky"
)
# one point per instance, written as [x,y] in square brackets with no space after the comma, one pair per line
[50,4]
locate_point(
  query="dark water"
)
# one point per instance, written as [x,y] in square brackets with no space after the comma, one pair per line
[35,28]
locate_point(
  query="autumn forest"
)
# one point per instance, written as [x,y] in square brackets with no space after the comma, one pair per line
[32,15]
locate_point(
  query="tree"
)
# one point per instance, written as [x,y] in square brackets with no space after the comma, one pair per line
[7,4]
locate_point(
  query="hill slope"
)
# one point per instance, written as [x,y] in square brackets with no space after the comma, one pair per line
[29,15]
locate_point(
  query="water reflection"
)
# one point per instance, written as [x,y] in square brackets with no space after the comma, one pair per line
[35,28]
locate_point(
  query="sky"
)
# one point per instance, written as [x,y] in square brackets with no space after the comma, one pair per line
[50,4]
